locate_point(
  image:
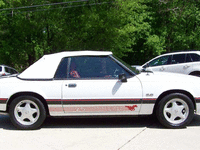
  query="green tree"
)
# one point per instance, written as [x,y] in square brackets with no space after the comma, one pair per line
[179,23]
[32,32]
[135,30]
[143,42]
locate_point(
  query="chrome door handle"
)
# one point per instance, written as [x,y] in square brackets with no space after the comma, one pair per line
[162,69]
[72,85]
[186,66]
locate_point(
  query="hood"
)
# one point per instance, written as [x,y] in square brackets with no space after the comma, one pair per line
[167,77]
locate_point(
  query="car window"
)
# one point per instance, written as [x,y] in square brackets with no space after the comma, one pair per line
[7,69]
[195,57]
[62,69]
[188,58]
[164,60]
[13,71]
[0,68]
[90,67]
[178,58]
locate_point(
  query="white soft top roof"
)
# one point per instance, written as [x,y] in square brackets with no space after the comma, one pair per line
[46,66]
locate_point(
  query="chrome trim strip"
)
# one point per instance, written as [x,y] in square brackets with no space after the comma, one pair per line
[95,114]
[56,110]
[146,109]
[27,79]
[92,110]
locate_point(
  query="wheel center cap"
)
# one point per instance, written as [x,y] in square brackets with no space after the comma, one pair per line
[175,111]
[27,112]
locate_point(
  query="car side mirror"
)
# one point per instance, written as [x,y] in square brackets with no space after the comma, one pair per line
[145,66]
[123,78]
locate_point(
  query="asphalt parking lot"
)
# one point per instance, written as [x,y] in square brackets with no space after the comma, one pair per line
[137,133]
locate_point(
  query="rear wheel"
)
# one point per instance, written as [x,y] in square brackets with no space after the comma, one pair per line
[27,112]
[175,110]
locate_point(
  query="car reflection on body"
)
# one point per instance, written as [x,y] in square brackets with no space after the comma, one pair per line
[93,83]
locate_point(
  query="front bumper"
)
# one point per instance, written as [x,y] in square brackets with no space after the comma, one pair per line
[3,113]
[2,107]
[197,108]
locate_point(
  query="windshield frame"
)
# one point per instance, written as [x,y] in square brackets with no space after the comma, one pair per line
[124,65]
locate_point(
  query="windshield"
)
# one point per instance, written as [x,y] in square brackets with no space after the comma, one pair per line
[131,69]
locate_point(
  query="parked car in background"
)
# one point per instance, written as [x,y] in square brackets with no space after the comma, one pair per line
[92,83]
[6,70]
[186,62]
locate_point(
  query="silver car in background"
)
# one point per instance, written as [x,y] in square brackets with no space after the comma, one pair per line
[6,70]
[186,62]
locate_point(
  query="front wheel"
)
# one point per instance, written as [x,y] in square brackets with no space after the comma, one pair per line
[27,112]
[175,110]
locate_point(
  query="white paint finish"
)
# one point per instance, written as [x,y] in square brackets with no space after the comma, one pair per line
[158,82]
[47,89]
[103,89]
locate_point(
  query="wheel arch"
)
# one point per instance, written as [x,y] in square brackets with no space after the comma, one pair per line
[197,72]
[28,94]
[174,91]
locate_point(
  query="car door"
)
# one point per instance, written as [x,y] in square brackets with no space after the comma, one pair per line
[193,63]
[92,87]
[178,64]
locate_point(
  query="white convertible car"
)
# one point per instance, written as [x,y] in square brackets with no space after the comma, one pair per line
[88,83]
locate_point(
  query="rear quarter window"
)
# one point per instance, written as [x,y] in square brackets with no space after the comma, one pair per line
[178,58]
[195,57]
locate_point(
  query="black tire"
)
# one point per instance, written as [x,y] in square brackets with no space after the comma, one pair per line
[175,110]
[27,112]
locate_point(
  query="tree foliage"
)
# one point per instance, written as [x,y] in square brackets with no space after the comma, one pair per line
[135,30]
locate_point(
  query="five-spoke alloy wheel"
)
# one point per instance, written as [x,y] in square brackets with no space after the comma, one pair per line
[175,110]
[27,112]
